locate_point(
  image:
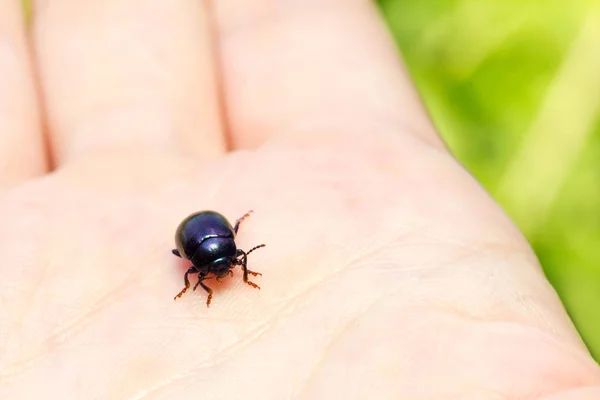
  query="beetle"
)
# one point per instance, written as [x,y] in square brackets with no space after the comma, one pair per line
[207,239]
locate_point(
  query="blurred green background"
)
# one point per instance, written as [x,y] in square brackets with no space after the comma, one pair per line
[514,88]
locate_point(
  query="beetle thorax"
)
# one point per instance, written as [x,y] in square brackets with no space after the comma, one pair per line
[212,249]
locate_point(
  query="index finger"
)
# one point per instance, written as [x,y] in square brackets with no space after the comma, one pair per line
[311,68]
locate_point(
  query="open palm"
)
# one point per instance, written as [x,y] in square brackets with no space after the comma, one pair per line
[388,272]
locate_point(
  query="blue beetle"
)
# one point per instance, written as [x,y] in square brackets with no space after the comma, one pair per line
[206,239]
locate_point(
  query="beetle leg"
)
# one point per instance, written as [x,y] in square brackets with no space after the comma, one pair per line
[202,277]
[243,262]
[239,220]
[250,251]
[187,282]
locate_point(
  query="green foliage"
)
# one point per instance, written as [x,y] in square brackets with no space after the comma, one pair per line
[514,89]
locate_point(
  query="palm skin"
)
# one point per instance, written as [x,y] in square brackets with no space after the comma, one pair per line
[373,271]
[388,271]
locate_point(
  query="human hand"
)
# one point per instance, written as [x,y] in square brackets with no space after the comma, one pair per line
[388,271]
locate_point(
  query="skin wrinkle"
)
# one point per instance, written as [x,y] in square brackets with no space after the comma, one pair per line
[516,295]
[254,334]
[555,341]
[31,212]
[488,317]
[288,303]
[218,358]
[18,368]
[75,325]
[468,255]
[524,331]
[456,312]
[221,357]
[298,393]
[283,312]
[25,310]
[323,280]
[70,328]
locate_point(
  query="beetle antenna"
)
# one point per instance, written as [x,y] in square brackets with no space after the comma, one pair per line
[254,248]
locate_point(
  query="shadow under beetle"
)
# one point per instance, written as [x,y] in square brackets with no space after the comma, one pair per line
[206,238]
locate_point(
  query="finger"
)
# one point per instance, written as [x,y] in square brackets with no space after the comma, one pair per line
[123,75]
[21,141]
[309,67]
